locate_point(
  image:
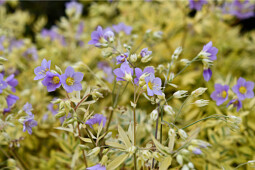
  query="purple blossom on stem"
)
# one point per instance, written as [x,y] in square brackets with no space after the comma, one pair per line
[15,44]
[220,95]
[96,119]
[212,51]
[28,108]
[197,151]
[71,80]
[41,71]
[3,84]
[11,100]
[75,7]
[243,89]
[124,73]
[145,52]
[100,37]
[11,81]
[153,85]
[28,123]
[236,103]
[139,73]
[31,53]
[54,108]
[122,27]
[53,35]
[207,73]
[122,58]
[197,4]
[97,167]
[51,81]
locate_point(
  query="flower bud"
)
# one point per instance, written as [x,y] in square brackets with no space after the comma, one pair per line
[96,95]
[201,103]
[184,61]
[179,159]
[182,134]
[235,119]
[198,91]
[185,167]
[184,152]
[162,96]
[180,94]
[154,114]
[131,150]
[176,54]
[171,77]
[169,110]
[133,58]
[60,114]
[157,35]
[146,58]
[191,165]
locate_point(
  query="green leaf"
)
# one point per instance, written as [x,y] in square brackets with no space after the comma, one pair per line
[161,148]
[86,140]
[124,137]
[166,163]
[116,145]
[117,162]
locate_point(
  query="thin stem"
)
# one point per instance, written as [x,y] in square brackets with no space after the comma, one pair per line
[80,102]
[83,153]
[216,117]
[181,109]
[23,164]
[156,133]
[109,121]
[92,140]
[134,115]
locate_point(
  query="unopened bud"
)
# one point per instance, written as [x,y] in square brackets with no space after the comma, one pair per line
[198,91]
[201,103]
[185,61]
[185,167]
[179,159]
[180,94]
[182,134]
[154,114]
[191,165]
[146,58]
[169,110]
[133,58]
[60,114]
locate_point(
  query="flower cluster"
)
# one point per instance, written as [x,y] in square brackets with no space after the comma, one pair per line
[243,89]
[70,80]
[28,122]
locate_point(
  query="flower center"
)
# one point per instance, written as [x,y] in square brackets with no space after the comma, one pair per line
[55,107]
[55,79]
[224,94]
[242,90]
[69,81]
[150,84]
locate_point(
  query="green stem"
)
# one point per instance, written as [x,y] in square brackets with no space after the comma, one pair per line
[134,115]
[181,109]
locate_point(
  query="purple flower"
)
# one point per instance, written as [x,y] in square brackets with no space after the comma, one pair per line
[107,70]
[2,2]
[124,73]
[3,84]
[153,85]
[28,123]
[100,37]
[40,71]
[53,107]
[15,44]
[27,108]
[122,27]
[241,10]
[51,81]
[96,119]
[122,58]
[207,73]
[212,51]
[197,151]
[145,52]
[79,33]
[139,73]
[236,103]
[11,81]
[220,95]
[97,167]
[53,35]
[11,100]
[74,7]
[62,119]
[197,4]
[71,80]
[31,53]
[243,89]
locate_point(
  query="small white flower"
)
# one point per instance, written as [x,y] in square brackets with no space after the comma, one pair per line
[198,91]
[201,103]
[180,94]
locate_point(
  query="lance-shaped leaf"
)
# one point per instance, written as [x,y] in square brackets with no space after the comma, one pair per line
[124,137]
[117,162]
[116,145]
[161,148]
[166,163]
